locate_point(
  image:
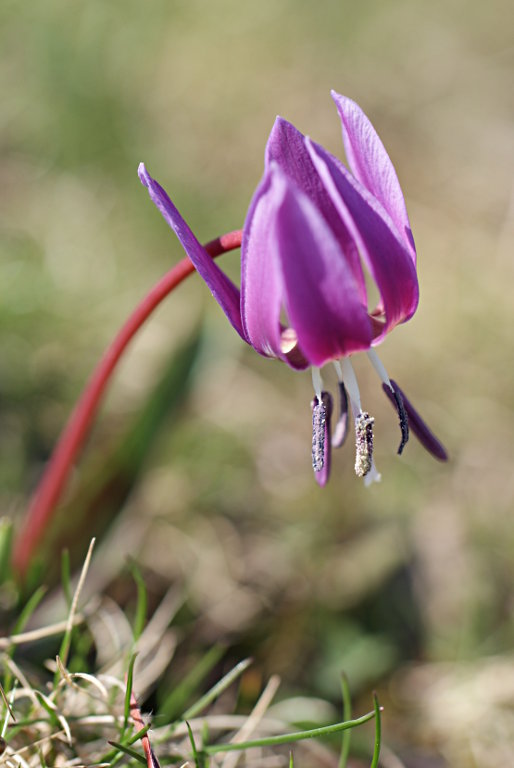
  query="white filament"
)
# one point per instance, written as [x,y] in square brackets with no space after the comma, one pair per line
[378,365]
[350,382]
[317,382]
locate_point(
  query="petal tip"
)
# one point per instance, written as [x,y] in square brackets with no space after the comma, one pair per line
[143,174]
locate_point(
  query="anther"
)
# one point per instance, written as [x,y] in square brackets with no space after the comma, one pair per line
[319,419]
[363,443]
[402,414]
[321,416]
[395,396]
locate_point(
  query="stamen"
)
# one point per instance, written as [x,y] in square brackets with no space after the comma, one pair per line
[317,382]
[394,394]
[341,427]
[363,443]
[364,464]
[350,380]
[378,365]
[418,426]
[321,415]
[319,418]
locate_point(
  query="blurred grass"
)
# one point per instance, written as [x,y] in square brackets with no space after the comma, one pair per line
[305,579]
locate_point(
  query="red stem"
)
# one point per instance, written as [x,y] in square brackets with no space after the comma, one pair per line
[53,481]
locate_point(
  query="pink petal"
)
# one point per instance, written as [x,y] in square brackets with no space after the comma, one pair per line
[286,147]
[261,279]
[385,255]
[371,165]
[321,296]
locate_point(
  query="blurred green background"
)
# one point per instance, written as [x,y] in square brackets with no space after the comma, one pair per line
[407,586]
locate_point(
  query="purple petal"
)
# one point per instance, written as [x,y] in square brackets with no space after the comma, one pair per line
[371,165]
[310,273]
[387,258]
[223,289]
[286,147]
[416,424]
[261,278]
[321,453]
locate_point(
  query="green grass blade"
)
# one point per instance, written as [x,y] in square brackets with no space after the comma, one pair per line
[378,733]
[6,533]
[347,715]
[287,738]
[139,734]
[48,709]
[29,608]
[217,689]
[197,756]
[142,601]
[66,577]
[128,751]
[128,692]
[173,706]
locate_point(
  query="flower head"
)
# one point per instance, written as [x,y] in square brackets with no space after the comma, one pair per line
[313,229]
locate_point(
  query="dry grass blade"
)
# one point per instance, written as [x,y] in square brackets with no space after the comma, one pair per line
[69,678]
[65,648]
[25,689]
[8,707]
[254,718]
[39,634]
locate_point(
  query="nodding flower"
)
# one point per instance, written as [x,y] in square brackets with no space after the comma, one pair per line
[314,228]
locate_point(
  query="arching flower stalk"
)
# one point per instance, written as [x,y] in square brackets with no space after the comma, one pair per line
[313,228]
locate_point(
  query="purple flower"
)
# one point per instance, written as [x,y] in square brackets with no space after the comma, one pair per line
[313,228]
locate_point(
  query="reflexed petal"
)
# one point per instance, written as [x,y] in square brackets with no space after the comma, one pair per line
[223,289]
[286,147]
[416,424]
[371,165]
[321,298]
[387,258]
[261,278]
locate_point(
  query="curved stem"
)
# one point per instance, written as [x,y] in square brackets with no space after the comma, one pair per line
[53,481]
